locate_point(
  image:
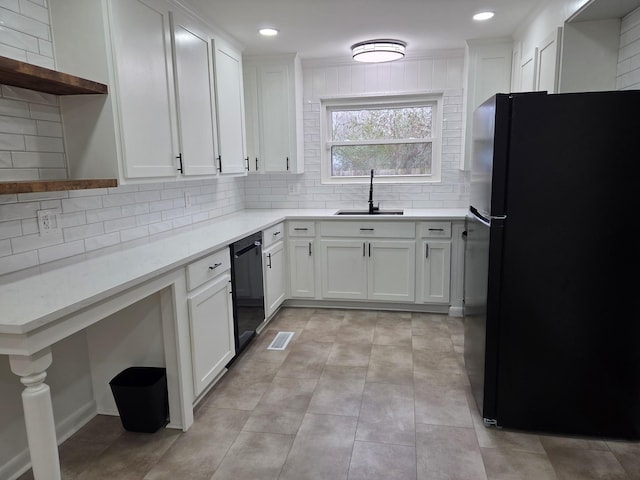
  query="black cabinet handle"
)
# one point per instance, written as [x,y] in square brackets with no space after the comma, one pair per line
[436,229]
[179,157]
[363,249]
[219,158]
[309,248]
[300,229]
[214,266]
[256,164]
[269,258]
[247,160]
[367,229]
[426,251]
[369,250]
[287,164]
[275,234]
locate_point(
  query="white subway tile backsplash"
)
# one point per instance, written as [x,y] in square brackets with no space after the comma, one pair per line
[82,231]
[134,233]
[103,214]
[13,52]
[72,219]
[31,96]
[102,241]
[52,173]
[18,211]
[10,141]
[19,22]
[40,60]
[80,204]
[18,40]
[45,112]
[18,262]
[49,129]
[35,11]
[56,252]
[119,224]
[35,241]
[33,159]
[10,229]
[22,126]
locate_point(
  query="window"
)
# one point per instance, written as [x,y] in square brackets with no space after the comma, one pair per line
[397,137]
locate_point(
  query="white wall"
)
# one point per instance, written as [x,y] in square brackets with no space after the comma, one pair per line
[628,74]
[434,72]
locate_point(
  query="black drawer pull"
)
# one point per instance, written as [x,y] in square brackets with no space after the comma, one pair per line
[275,234]
[300,229]
[214,266]
[436,229]
[367,229]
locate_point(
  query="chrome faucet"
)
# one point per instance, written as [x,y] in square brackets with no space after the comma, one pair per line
[372,209]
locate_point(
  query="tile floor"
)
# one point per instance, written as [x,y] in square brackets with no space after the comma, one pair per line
[356,395]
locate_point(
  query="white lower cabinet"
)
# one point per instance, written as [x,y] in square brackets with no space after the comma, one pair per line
[368,267]
[436,271]
[381,270]
[210,318]
[302,268]
[434,260]
[273,263]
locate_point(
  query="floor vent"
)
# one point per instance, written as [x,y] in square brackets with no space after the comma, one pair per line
[281,341]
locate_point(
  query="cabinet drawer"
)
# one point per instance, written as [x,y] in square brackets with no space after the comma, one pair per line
[207,268]
[435,229]
[272,234]
[301,229]
[368,229]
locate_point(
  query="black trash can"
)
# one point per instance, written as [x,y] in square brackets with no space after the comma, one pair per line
[141,397]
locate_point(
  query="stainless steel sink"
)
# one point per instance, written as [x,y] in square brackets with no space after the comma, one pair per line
[366,212]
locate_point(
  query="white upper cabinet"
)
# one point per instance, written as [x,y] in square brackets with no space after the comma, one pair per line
[195,96]
[273,95]
[159,121]
[230,102]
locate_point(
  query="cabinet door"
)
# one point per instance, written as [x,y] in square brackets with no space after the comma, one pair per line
[212,342]
[194,91]
[230,102]
[344,269]
[436,271]
[142,41]
[549,62]
[274,96]
[391,270]
[302,268]
[251,116]
[274,277]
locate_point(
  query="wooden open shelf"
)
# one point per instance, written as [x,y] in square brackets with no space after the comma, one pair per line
[33,77]
[55,185]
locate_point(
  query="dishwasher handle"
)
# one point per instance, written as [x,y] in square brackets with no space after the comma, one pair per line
[247,249]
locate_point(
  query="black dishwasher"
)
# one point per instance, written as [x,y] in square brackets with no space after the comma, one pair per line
[247,288]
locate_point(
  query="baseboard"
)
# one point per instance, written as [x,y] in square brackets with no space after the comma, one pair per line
[456,311]
[401,307]
[64,429]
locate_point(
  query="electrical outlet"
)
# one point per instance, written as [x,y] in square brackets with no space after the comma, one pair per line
[49,221]
[188,199]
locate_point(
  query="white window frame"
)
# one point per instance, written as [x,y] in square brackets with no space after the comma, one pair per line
[330,103]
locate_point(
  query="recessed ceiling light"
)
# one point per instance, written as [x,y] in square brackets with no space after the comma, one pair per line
[483,16]
[268,32]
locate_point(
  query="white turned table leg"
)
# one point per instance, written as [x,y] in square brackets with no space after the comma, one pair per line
[38,413]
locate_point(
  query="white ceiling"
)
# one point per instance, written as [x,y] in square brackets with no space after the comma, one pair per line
[327,28]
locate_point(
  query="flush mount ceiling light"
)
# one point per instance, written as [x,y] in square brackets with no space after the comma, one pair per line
[378,50]
[483,16]
[268,32]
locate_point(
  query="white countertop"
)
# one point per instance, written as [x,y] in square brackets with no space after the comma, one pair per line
[49,294]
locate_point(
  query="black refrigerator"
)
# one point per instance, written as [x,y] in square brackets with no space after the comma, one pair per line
[552,337]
